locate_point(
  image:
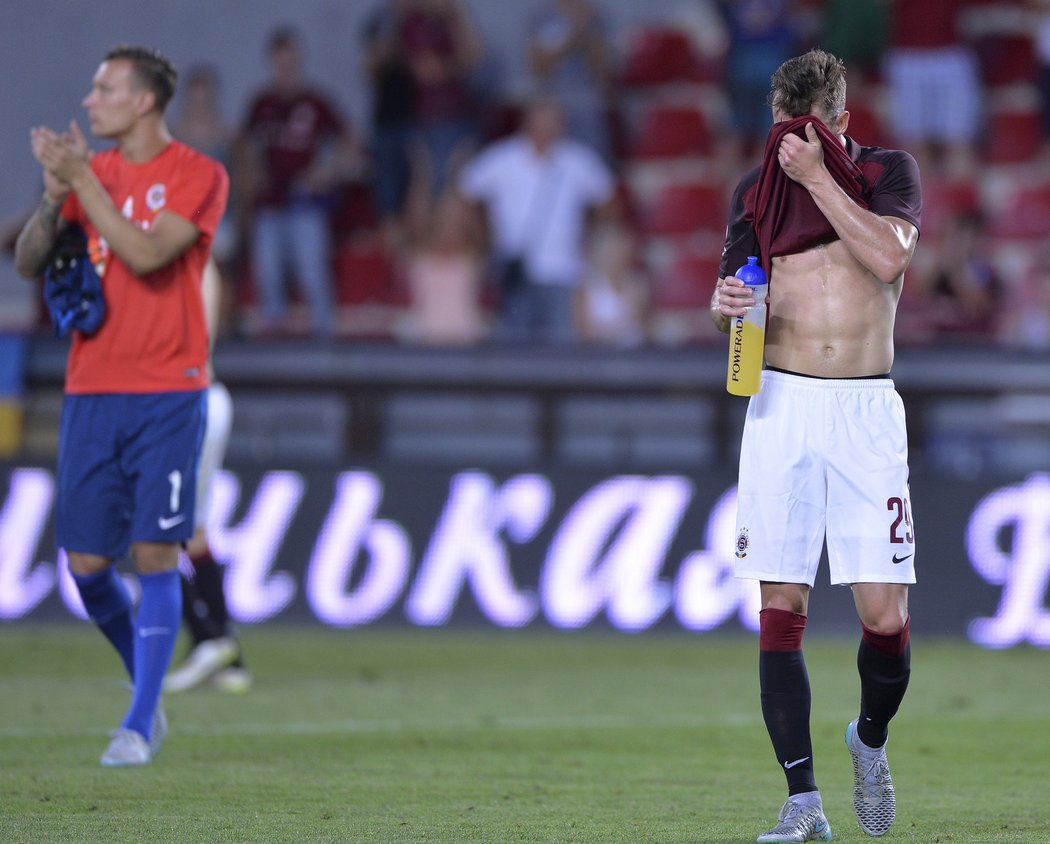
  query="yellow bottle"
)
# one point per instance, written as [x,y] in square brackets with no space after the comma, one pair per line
[747,335]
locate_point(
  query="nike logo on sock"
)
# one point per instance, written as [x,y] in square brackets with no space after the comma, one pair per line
[153,631]
[790,765]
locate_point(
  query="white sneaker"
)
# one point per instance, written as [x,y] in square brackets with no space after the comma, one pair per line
[235,680]
[798,822]
[126,748]
[874,800]
[205,660]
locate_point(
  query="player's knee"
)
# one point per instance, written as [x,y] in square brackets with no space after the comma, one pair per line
[155,557]
[790,597]
[890,642]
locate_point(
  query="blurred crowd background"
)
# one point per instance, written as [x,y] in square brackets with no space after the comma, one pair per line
[583,149]
[394,221]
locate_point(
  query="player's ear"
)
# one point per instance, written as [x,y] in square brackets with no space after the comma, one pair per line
[841,123]
[145,102]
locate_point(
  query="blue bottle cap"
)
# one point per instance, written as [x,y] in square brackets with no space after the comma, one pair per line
[752,273]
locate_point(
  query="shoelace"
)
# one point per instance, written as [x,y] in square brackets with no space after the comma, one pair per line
[798,816]
[875,777]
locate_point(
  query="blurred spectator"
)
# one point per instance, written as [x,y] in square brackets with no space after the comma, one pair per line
[856,32]
[935,89]
[538,189]
[1025,323]
[615,296]
[570,59]
[199,122]
[441,48]
[966,288]
[762,36]
[1041,43]
[393,107]
[293,150]
[444,268]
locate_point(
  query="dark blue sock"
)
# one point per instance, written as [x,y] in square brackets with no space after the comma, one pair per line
[156,629]
[108,604]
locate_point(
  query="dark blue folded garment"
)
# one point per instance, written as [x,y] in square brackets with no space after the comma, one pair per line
[72,287]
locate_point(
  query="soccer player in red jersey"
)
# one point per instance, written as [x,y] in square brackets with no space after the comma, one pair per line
[134,404]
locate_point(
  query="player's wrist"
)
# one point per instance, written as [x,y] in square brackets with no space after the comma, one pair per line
[51,201]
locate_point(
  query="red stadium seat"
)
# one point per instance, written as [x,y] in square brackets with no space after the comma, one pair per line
[943,199]
[1006,59]
[363,273]
[657,55]
[866,126]
[687,282]
[1026,215]
[1012,137]
[672,132]
[681,209]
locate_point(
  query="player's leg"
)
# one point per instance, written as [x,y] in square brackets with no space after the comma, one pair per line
[89,523]
[203,597]
[786,704]
[780,531]
[161,453]
[884,665]
[871,545]
[883,658]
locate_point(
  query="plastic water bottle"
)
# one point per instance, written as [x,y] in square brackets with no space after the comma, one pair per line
[747,334]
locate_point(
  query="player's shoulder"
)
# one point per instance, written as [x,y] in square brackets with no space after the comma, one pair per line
[886,157]
[747,182]
[107,160]
[184,158]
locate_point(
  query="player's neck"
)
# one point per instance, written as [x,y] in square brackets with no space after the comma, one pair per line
[145,140]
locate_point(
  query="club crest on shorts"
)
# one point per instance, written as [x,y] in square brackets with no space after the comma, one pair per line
[742,543]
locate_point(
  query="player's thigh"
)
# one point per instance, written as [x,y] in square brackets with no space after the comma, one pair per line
[870,534]
[781,496]
[94,495]
[217,430]
[162,455]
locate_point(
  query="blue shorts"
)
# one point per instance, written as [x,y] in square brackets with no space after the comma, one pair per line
[127,470]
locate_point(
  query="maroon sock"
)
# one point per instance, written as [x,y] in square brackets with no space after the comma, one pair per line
[786,697]
[884,665]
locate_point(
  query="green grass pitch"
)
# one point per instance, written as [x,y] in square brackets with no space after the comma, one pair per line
[486,736]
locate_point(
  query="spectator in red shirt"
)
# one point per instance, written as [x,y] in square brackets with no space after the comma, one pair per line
[442,49]
[292,151]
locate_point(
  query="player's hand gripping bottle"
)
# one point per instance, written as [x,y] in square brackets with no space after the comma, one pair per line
[747,334]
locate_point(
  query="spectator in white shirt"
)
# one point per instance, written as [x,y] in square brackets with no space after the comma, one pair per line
[539,190]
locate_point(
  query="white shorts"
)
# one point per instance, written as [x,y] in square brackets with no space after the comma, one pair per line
[217,429]
[824,458]
[935,94]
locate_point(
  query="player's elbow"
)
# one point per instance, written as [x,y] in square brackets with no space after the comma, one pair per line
[894,254]
[892,266]
[28,269]
[152,255]
[147,263]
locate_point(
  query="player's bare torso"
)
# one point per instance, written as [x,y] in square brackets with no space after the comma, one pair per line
[829,316]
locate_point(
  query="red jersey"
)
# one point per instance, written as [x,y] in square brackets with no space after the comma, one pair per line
[154,338]
[291,134]
[926,24]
